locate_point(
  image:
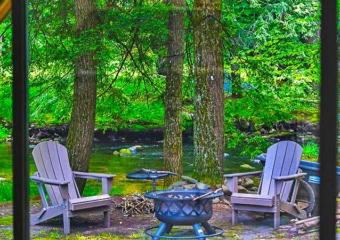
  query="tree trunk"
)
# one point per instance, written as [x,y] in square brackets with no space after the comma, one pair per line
[81,131]
[173,95]
[209,94]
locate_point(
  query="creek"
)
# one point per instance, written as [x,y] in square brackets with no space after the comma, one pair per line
[104,161]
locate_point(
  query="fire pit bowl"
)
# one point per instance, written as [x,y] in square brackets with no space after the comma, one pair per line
[178,207]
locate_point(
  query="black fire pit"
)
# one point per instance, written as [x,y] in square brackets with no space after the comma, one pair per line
[178,207]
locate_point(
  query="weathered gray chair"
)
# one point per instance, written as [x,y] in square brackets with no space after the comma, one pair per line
[55,173]
[278,187]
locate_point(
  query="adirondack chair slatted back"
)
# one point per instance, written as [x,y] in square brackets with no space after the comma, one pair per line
[283,158]
[52,162]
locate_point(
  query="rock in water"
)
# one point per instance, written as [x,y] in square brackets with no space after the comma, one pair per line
[136,148]
[247,166]
[125,151]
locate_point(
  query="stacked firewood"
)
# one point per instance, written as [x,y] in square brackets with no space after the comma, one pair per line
[307,225]
[135,204]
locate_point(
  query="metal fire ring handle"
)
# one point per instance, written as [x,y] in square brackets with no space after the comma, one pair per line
[221,231]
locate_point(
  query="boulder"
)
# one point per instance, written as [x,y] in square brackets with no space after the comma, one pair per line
[115,153]
[242,189]
[189,186]
[178,184]
[246,182]
[136,148]
[226,190]
[189,179]
[202,185]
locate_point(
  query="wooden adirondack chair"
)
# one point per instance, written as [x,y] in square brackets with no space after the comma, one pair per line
[55,173]
[278,187]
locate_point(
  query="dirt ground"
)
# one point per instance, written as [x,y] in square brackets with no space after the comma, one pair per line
[252,226]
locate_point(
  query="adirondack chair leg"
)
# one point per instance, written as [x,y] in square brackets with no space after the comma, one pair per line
[66,219]
[234,217]
[107,222]
[277,219]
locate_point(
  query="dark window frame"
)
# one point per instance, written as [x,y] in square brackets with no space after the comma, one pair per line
[328,120]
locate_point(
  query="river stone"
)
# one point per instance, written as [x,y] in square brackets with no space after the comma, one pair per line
[253,189]
[226,190]
[189,186]
[189,179]
[242,189]
[246,166]
[115,153]
[136,148]
[202,186]
[178,184]
[246,182]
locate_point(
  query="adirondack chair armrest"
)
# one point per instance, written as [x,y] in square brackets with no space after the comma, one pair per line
[62,184]
[49,181]
[242,175]
[96,176]
[105,178]
[290,177]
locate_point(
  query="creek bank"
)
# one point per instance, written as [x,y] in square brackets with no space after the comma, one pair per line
[291,130]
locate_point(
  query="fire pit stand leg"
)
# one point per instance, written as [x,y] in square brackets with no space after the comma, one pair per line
[154,184]
[161,229]
[168,228]
[208,228]
[198,231]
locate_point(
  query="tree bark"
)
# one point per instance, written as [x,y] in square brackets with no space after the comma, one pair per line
[209,94]
[81,131]
[173,94]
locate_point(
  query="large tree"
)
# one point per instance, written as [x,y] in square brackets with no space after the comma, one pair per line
[81,131]
[209,94]
[173,94]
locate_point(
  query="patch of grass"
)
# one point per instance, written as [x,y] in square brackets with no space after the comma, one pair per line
[6,234]
[104,236]
[234,232]
[6,190]
[6,220]
[310,152]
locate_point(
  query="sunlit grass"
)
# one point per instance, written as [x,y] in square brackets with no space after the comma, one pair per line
[310,152]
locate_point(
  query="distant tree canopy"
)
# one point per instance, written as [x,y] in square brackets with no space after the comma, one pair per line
[273,44]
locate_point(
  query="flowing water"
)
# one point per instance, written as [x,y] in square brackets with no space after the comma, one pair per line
[104,161]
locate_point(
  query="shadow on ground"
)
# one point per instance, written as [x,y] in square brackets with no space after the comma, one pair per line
[252,226]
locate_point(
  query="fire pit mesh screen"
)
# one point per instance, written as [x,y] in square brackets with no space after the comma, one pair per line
[183,208]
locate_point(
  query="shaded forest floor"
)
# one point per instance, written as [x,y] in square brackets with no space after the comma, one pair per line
[253,226]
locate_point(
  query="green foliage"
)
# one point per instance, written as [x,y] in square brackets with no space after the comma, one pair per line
[4,132]
[275,45]
[6,191]
[310,152]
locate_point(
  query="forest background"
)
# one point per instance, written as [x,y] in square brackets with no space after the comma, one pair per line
[270,55]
